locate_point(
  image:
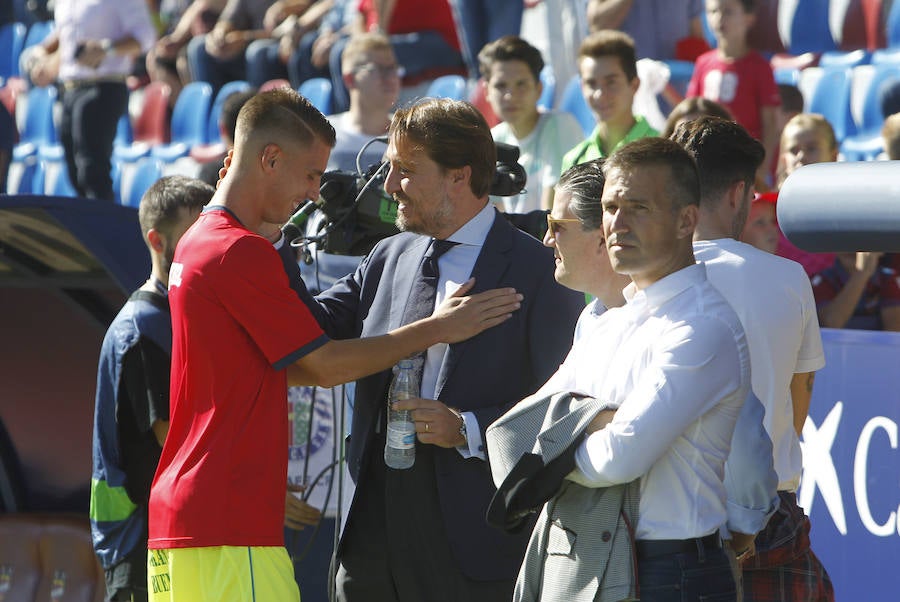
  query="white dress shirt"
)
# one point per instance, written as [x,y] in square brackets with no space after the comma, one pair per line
[455,267]
[675,360]
[81,20]
[750,478]
[773,298]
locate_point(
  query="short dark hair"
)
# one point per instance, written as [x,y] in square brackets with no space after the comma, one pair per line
[231,107]
[695,105]
[284,114]
[791,98]
[611,42]
[584,182]
[724,151]
[510,48]
[161,203]
[684,183]
[749,6]
[453,134]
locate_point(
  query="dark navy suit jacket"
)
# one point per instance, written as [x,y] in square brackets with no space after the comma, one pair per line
[485,375]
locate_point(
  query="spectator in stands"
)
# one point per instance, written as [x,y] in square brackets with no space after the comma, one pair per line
[423,35]
[656,26]
[761,229]
[167,61]
[318,52]
[481,21]
[218,57]
[860,291]
[739,77]
[372,76]
[209,171]
[609,81]
[806,139]
[288,21]
[95,44]
[692,108]
[791,104]
[131,416]
[890,134]
[511,70]
[556,28]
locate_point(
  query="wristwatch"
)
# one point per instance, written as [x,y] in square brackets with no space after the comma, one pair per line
[462,425]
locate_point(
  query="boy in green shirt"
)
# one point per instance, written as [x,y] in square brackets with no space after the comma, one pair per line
[609,81]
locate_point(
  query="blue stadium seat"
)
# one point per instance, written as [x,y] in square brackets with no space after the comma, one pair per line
[212,128]
[872,120]
[831,99]
[893,26]
[190,120]
[680,73]
[804,27]
[548,80]
[38,128]
[54,172]
[20,179]
[448,86]
[148,170]
[12,38]
[124,131]
[37,32]
[786,75]
[862,148]
[836,58]
[317,90]
[573,102]
[885,56]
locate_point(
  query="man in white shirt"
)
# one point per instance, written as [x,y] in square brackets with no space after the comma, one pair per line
[674,359]
[773,299]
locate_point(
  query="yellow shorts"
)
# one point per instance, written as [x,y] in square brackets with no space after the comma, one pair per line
[221,574]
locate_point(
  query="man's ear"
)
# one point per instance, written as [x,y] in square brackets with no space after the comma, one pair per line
[269,157]
[156,240]
[349,80]
[736,194]
[461,175]
[688,216]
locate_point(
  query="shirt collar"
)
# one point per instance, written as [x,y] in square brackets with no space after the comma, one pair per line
[640,129]
[665,288]
[475,231]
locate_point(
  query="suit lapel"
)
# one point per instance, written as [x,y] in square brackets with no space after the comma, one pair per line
[407,269]
[490,267]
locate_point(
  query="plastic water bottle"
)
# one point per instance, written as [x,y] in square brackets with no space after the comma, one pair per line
[400,444]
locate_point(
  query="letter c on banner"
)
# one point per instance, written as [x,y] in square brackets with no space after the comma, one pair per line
[860,473]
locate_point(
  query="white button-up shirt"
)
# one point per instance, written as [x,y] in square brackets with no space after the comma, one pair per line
[81,20]
[674,359]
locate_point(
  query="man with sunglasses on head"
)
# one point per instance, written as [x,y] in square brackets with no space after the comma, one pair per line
[575,232]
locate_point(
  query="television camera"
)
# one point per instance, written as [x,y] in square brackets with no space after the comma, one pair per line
[354,212]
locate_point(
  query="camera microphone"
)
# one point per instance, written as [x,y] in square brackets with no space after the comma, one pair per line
[293,228]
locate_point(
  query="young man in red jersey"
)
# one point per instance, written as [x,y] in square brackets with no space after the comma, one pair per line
[240,333]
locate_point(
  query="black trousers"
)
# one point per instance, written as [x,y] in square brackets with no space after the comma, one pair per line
[395,547]
[91,112]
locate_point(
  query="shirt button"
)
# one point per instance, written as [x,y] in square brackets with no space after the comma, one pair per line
[606,536]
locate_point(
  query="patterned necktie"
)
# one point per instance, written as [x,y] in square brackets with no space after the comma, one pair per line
[424,290]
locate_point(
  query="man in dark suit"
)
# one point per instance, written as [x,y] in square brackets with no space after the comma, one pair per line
[420,534]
